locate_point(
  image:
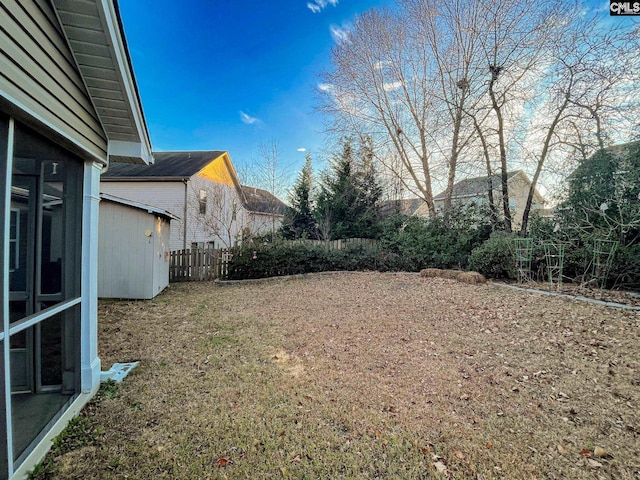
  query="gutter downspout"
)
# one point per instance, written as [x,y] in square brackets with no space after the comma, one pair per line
[184,221]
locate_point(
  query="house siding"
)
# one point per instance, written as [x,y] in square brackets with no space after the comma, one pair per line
[264,223]
[221,200]
[38,75]
[518,193]
[167,196]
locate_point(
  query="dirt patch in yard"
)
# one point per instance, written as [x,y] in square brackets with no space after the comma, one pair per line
[366,375]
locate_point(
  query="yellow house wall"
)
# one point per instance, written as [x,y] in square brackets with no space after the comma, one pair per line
[218,171]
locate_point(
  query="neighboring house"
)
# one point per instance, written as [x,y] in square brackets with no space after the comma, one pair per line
[406,206]
[68,106]
[134,254]
[266,211]
[475,190]
[203,189]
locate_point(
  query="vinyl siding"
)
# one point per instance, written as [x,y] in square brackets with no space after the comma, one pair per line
[220,206]
[38,74]
[518,192]
[131,264]
[168,196]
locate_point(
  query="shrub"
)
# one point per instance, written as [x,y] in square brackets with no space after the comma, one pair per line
[494,258]
[625,271]
[289,259]
[437,242]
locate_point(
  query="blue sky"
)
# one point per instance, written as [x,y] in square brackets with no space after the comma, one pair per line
[230,75]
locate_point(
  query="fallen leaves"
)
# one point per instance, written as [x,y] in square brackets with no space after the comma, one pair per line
[593,464]
[414,366]
[440,467]
[600,452]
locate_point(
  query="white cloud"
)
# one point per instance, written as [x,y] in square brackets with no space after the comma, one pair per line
[390,87]
[302,149]
[340,33]
[325,87]
[319,5]
[248,119]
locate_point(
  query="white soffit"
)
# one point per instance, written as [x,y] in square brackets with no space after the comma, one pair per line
[94,34]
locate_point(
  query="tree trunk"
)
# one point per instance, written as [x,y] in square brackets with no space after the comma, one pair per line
[487,158]
[541,160]
[503,152]
[453,161]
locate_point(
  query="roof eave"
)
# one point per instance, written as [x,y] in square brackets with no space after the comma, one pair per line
[125,148]
[144,179]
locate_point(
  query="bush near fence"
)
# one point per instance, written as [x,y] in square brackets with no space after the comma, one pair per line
[290,258]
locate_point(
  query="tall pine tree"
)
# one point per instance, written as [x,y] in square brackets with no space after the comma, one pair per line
[347,205]
[369,192]
[299,221]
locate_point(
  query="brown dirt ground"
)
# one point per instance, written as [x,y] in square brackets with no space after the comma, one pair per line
[366,375]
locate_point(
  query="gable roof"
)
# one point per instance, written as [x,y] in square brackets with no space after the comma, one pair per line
[262,201]
[168,166]
[476,186]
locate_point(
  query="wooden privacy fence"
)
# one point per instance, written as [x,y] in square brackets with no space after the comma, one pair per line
[198,264]
[206,264]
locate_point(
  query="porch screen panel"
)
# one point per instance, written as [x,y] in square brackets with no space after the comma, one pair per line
[46,209]
[4,457]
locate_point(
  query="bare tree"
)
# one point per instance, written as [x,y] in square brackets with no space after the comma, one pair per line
[583,85]
[268,173]
[379,87]
[442,84]
[451,33]
[218,212]
[410,80]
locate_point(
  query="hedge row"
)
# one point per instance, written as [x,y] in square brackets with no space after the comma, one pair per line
[414,245]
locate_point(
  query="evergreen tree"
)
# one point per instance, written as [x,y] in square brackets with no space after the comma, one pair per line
[604,194]
[347,205]
[337,197]
[369,192]
[299,221]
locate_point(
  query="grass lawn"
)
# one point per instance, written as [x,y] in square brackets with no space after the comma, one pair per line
[362,375]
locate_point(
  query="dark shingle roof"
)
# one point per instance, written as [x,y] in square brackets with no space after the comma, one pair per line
[262,201]
[475,185]
[168,165]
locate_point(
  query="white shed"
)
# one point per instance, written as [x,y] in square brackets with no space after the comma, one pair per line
[134,249]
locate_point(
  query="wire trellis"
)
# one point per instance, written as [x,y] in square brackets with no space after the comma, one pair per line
[523,256]
[603,254]
[554,260]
